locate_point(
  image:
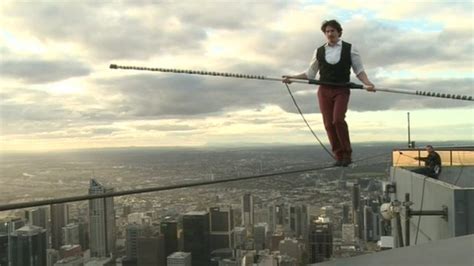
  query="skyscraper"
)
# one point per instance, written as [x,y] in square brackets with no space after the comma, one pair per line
[196,237]
[320,241]
[299,220]
[345,214]
[151,251]
[247,211]
[169,230]
[3,248]
[28,246]
[101,221]
[259,235]
[221,226]
[71,234]
[357,210]
[38,217]
[59,219]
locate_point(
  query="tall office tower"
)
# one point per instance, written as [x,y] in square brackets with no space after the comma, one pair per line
[320,241]
[247,211]
[3,248]
[28,246]
[180,259]
[221,225]
[298,218]
[101,222]
[345,214]
[369,228]
[196,237]
[59,218]
[357,210]
[259,235]
[38,217]
[169,230]
[133,232]
[10,224]
[71,234]
[277,217]
[151,251]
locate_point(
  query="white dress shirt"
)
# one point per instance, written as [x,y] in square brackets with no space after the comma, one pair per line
[333,55]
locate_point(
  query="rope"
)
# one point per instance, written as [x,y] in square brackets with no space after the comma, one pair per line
[150,189]
[421,208]
[307,124]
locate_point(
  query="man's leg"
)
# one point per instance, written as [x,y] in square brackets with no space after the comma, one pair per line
[326,105]
[340,108]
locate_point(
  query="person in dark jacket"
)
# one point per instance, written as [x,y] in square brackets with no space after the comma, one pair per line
[432,163]
[334,61]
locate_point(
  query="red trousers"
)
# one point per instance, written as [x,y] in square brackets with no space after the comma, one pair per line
[333,103]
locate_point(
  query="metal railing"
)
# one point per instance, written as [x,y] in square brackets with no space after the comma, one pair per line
[453,156]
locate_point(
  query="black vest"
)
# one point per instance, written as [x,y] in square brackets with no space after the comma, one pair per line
[339,72]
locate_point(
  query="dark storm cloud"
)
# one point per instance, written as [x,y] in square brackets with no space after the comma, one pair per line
[42,71]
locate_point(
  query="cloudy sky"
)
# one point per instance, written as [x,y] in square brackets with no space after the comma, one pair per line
[57,91]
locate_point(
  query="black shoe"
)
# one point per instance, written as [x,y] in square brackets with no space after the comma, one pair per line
[338,163]
[346,162]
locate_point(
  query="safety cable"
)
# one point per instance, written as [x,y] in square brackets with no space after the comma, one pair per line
[307,124]
[421,209]
[21,205]
[150,189]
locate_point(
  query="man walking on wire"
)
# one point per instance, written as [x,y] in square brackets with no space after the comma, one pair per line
[334,61]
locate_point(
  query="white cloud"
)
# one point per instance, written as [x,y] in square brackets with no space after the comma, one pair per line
[57,85]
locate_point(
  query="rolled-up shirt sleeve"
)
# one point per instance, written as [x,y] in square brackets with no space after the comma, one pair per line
[357,66]
[313,67]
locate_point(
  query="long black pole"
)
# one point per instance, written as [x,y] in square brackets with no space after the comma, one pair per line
[306,81]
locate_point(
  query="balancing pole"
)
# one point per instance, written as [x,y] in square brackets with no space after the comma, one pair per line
[305,81]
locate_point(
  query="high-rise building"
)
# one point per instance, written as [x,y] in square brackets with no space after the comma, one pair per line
[151,251]
[221,225]
[357,210]
[101,222]
[59,219]
[259,235]
[38,217]
[345,214]
[196,237]
[28,246]
[320,241]
[133,232]
[3,248]
[180,259]
[71,234]
[169,230]
[10,224]
[299,220]
[247,211]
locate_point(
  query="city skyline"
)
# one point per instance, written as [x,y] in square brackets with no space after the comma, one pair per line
[59,93]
